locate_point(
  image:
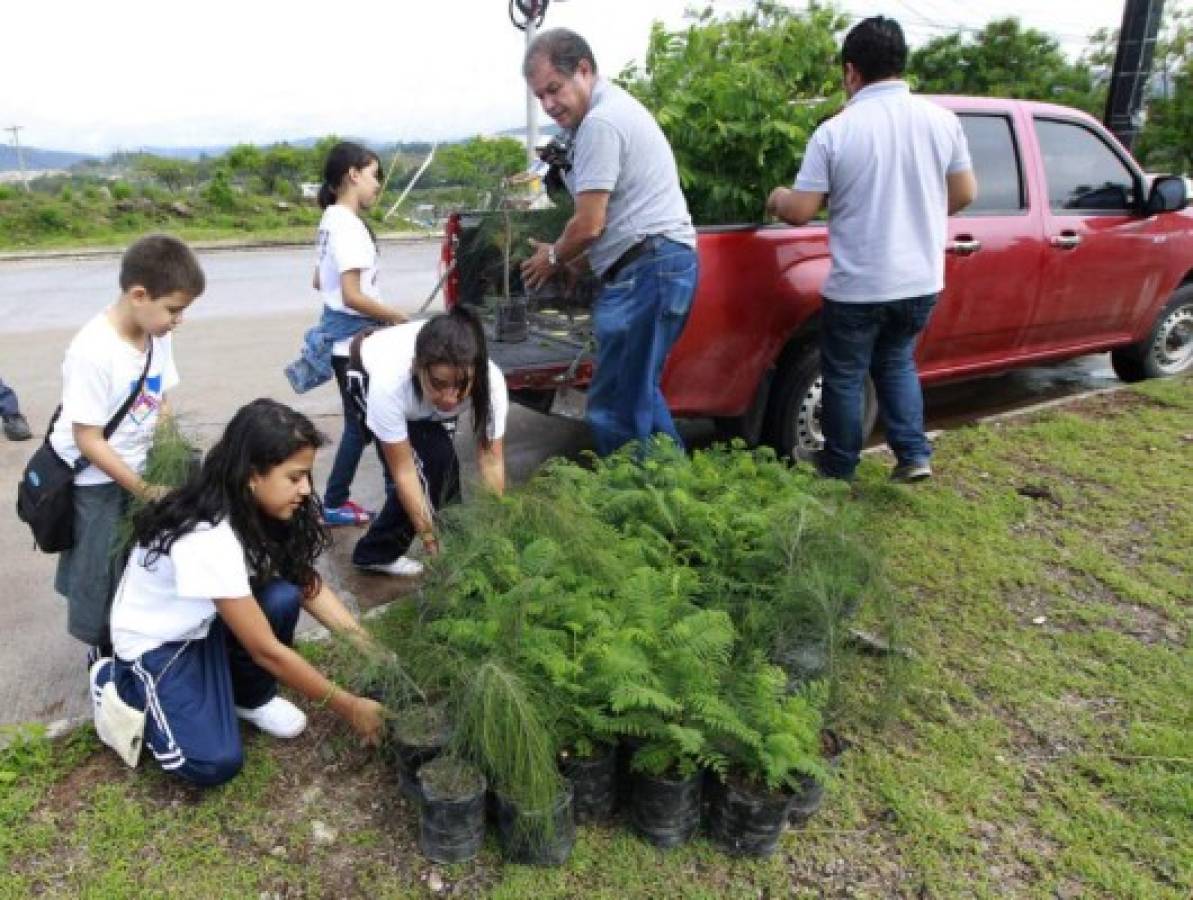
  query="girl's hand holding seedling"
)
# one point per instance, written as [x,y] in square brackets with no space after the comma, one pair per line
[366,718]
[430,542]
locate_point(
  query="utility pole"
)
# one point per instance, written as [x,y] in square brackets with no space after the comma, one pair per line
[1126,98]
[528,15]
[532,113]
[16,142]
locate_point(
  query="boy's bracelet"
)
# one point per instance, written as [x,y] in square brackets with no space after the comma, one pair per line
[331,692]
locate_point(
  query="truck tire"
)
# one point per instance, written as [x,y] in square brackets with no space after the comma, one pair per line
[793,424]
[1168,349]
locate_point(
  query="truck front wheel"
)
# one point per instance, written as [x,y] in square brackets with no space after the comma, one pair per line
[1168,350]
[793,426]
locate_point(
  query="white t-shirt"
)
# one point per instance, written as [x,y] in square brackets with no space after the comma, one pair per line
[98,374]
[173,600]
[388,357]
[344,244]
[883,162]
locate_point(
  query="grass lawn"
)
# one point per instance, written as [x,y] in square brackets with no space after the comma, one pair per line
[1042,743]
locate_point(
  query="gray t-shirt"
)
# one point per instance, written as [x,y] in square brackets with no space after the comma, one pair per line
[883,161]
[620,148]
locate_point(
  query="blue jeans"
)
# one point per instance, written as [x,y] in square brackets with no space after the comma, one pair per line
[879,338]
[189,691]
[391,533]
[638,318]
[352,442]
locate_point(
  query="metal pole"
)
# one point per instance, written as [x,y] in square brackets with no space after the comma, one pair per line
[1126,99]
[16,142]
[532,120]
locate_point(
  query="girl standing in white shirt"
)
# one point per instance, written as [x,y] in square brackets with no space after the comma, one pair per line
[205,613]
[346,278]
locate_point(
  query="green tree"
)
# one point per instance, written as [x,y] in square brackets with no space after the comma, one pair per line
[219,192]
[171,174]
[282,167]
[244,160]
[480,162]
[1004,59]
[738,98]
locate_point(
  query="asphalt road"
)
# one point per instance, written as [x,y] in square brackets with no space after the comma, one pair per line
[231,348]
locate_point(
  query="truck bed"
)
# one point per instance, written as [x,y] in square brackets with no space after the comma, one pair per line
[557,351]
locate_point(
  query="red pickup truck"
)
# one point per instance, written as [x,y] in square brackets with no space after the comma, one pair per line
[1069,249]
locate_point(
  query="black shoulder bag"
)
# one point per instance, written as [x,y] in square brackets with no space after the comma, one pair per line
[46,497]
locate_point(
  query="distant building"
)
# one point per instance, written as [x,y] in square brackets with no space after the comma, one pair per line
[310,190]
[15,176]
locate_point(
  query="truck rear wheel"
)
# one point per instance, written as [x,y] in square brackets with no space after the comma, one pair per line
[1168,350]
[793,424]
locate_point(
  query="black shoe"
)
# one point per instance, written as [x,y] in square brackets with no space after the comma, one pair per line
[16,428]
[910,473]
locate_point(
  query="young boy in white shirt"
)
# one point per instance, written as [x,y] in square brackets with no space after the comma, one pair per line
[159,279]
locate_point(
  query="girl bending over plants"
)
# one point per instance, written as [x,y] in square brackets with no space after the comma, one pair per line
[205,613]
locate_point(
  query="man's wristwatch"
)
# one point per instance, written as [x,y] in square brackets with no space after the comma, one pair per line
[552,259]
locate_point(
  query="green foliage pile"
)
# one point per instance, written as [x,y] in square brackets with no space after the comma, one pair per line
[649,599]
[738,98]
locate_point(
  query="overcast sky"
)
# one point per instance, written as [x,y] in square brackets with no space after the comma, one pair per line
[95,77]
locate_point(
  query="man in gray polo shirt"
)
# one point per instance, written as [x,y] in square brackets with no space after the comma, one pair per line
[632,221]
[893,168]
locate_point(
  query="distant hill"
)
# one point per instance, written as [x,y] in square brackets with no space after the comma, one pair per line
[36,158]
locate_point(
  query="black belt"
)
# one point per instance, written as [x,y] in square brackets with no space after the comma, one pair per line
[626,258]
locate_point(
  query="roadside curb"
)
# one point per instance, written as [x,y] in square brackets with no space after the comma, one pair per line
[201,247]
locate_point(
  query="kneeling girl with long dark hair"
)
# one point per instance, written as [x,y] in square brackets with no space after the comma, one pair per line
[205,613]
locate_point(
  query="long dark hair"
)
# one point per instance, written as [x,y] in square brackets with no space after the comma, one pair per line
[343,156]
[261,435]
[457,339]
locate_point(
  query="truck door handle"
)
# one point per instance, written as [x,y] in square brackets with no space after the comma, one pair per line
[1065,241]
[964,245]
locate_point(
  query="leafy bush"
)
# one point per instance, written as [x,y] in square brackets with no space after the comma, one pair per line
[121,190]
[219,193]
[738,99]
[649,599]
[52,218]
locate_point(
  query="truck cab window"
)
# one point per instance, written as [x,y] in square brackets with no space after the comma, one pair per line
[995,165]
[1083,173]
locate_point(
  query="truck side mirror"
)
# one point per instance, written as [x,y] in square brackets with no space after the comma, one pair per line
[1169,193]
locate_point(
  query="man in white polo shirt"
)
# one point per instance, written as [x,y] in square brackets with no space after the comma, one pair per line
[893,167]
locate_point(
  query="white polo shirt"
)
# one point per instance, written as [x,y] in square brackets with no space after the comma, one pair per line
[388,357]
[883,161]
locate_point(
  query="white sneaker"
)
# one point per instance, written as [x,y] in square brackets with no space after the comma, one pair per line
[279,717]
[403,566]
[96,692]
